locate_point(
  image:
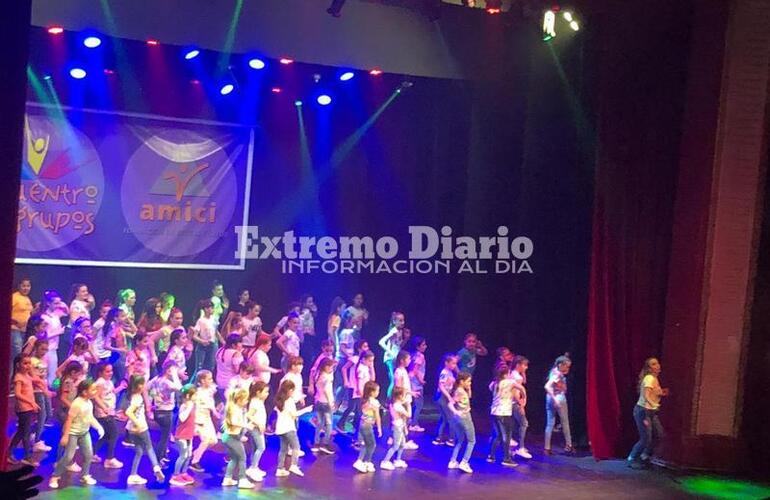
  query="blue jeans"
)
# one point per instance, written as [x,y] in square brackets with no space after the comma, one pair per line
[142,445]
[354,406]
[501,435]
[185,455]
[23,433]
[551,411]
[259,446]
[83,442]
[445,419]
[44,402]
[288,440]
[520,417]
[324,415]
[649,435]
[237,455]
[417,403]
[17,343]
[110,436]
[164,419]
[366,432]
[464,429]
[399,440]
[204,357]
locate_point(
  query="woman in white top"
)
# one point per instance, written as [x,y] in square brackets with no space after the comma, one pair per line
[646,412]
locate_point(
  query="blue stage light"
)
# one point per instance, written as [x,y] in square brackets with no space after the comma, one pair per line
[324,100]
[226,88]
[78,73]
[348,75]
[92,42]
[256,63]
[192,54]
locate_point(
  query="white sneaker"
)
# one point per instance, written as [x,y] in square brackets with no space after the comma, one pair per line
[136,479]
[281,473]
[416,428]
[370,467]
[514,443]
[523,453]
[41,446]
[74,467]
[465,467]
[88,480]
[245,484]
[53,483]
[158,474]
[359,466]
[400,464]
[296,471]
[387,465]
[410,445]
[255,475]
[453,465]
[113,463]
[390,441]
[228,481]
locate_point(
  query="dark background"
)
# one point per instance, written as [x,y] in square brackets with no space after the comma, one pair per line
[473,155]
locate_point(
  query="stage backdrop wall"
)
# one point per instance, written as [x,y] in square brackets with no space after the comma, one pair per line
[473,156]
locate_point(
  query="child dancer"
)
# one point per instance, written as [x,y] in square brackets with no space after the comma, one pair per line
[138,430]
[400,412]
[229,358]
[417,379]
[289,341]
[81,352]
[556,403]
[204,336]
[260,361]
[364,373]
[501,411]
[296,364]
[256,423]
[370,418]
[163,391]
[327,352]
[472,347]
[464,429]
[324,406]
[80,418]
[391,345]
[646,414]
[232,429]
[286,429]
[205,409]
[54,310]
[42,394]
[446,382]
[26,408]
[105,400]
[185,430]
[243,380]
[401,379]
[177,353]
[519,375]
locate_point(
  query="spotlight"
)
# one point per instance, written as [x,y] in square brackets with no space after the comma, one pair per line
[574,25]
[78,73]
[153,42]
[348,75]
[195,81]
[407,84]
[46,77]
[226,88]
[192,54]
[324,100]
[108,71]
[298,103]
[375,72]
[256,63]
[286,60]
[55,30]
[494,6]
[567,16]
[276,90]
[335,8]
[316,77]
[92,42]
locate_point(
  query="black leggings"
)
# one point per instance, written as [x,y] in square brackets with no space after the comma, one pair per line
[501,435]
[110,437]
[24,432]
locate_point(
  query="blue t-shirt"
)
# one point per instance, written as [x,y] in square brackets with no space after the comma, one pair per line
[467,360]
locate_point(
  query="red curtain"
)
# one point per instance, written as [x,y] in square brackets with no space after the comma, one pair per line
[640,88]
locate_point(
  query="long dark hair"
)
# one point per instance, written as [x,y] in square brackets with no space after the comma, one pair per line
[337,302]
[230,341]
[646,370]
[110,319]
[461,377]
[74,290]
[34,321]
[284,393]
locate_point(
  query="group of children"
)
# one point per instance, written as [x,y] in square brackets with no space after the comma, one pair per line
[141,372]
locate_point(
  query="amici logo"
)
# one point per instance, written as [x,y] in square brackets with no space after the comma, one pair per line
[179,192]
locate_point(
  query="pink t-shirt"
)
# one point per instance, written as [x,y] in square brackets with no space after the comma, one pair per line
[228,364]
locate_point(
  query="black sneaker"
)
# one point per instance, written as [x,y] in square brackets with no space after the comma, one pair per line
[490,459]
[510,463]
[326,448]
[196,467]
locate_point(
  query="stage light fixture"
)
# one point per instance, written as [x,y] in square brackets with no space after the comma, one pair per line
[46,77]
[494,6]
[298,103]
[335,9]
[375,72]
[108,71]
[256,63]
[226,89]
[195,81]
[92,42]
[574,25]
[78,73]
[276,90]
[55,30]
[153,42]
[324,100]
[286,60]
[191,54]
[567,16]
[348,75]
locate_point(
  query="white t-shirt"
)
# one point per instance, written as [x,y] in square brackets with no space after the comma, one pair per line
[53,328]
[228,364]
[207,328]
[322,388]
[297,395]
[260,359]
[252,327]
[517,377]
[99,341]
[401,379]
[79,309]
[81,413]
[287,419]
[652,382]
[558,381]
[363,375]
[292,342]
[502,398]
[256,413]
[106,391]
[397,412]
[137,408]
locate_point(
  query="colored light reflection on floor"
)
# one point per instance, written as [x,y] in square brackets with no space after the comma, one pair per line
[727,489]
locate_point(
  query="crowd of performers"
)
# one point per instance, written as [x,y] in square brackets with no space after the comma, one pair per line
[104,367]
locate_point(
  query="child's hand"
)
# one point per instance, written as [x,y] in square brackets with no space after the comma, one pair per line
[63,441]
[379,432]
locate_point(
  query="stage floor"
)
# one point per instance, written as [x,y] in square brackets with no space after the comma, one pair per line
[332,477]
